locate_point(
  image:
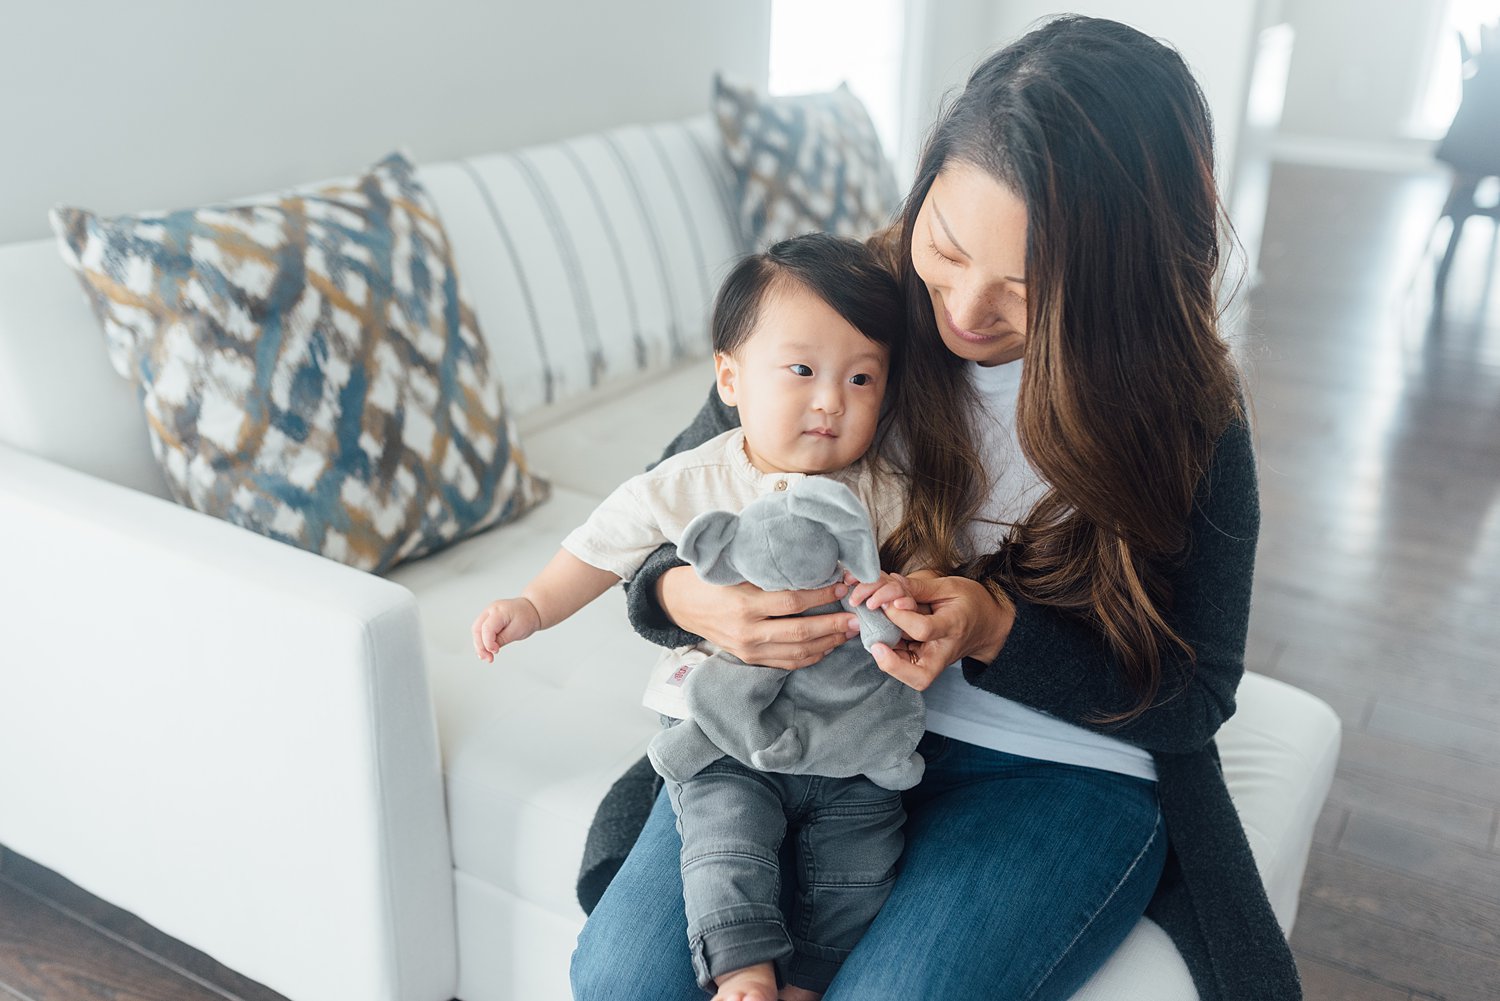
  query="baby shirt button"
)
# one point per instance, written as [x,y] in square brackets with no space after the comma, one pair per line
[781,484]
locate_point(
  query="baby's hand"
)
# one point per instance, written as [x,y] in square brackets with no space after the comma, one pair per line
[889,591]
[501,622]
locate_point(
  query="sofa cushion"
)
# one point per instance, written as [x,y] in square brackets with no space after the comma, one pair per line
[1279,751]
[309,367]
[804,163]
[60,398]
[532,742]
[593,262]
[594,449]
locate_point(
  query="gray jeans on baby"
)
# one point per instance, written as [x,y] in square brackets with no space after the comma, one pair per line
[733,820]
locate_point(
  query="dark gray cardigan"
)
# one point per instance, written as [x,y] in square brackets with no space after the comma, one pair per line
[1210,899]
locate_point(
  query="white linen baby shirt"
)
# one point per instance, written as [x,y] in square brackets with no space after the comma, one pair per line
[655,507]
[956,708]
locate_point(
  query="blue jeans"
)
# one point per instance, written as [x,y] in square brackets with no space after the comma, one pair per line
[1019,878]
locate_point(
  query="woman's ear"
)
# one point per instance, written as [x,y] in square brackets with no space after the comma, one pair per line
[726,378]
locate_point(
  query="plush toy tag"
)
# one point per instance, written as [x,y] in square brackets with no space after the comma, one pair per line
[664,689]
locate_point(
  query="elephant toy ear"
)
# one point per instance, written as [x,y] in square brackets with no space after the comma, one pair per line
[835,506]
[706,544]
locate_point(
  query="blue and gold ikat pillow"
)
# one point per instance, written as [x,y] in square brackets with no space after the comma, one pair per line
[804,163]
[309,367]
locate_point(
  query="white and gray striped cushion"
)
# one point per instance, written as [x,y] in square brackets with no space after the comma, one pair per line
[593,260]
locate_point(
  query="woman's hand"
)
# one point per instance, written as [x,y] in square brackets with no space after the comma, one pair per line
[955,618]
[758,627]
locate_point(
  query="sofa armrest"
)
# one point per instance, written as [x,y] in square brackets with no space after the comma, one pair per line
[228,736]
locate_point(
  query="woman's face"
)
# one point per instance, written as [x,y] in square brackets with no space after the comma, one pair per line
[969,248]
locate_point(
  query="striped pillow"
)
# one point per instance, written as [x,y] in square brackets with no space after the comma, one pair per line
[592,262]
[809,163]
[309,367]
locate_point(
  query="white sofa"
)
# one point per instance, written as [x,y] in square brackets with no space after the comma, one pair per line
[302,769]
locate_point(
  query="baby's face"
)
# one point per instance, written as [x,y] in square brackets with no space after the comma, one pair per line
[807,384]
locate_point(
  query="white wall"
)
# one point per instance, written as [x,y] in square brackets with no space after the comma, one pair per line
[1216,39]
[163,103]
[1357,68]
[953,35]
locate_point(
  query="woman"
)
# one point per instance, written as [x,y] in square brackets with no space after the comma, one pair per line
[1084,486]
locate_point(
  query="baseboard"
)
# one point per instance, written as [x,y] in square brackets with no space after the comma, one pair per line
[1398,156]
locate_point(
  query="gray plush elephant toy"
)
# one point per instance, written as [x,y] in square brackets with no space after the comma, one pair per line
[840,717]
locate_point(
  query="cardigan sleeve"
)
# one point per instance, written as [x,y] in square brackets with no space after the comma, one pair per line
[646,614]
[1060,664]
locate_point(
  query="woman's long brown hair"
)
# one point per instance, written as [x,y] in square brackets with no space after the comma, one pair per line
[1105,136]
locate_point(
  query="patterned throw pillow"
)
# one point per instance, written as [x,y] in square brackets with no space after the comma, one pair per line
[309,367]
[803,164]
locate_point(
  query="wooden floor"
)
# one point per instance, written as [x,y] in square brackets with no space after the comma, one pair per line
[1378,582]
[1378,589]
[58,943]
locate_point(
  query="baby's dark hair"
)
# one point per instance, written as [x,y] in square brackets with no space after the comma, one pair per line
[843,273]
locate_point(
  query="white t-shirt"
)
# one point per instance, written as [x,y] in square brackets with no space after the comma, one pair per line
[956,708]
[655,507]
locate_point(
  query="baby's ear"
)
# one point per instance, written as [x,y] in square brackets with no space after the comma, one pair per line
[726,378]
[706,543]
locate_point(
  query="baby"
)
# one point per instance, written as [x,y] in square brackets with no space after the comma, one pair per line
[802,336]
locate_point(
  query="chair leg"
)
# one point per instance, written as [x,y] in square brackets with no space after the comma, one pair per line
[1459,206]
[1441,278]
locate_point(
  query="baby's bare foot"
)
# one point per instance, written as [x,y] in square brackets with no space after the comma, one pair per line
[752,983]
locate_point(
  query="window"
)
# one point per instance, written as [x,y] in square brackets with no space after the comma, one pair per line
[1435,109]
[818,44]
